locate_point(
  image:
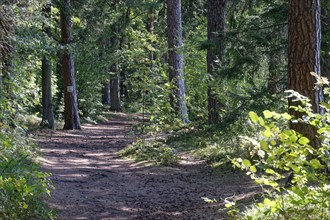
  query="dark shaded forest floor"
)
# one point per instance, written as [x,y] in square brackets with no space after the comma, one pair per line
[93,182]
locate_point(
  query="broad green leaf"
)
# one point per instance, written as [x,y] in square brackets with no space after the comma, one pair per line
[268,114]
[254,117]
[270,171]
[264,145]
[316,164]
[273,142]
[294,168]
[293,138]
[253,169]
[267,133]
[246,163]
[286,116]
[273,184]
[303,141]
[269,202]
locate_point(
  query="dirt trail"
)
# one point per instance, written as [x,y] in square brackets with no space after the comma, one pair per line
[93,182]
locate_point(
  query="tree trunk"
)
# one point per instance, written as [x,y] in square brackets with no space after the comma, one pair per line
[304,58]
[176,65]
[150,29]
[325,57]
[71,116]
[122,85]
[106,93]
[216,26]
[46,69]
[106,89]
[115,104]
[59,83]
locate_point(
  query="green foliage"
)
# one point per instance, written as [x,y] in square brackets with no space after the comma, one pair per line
[23,188]
[152,151]
[293,172]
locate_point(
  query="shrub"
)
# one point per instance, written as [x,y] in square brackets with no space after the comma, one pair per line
[23,188]
[293,173]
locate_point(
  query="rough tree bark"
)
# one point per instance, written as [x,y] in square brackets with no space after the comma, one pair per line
[46,70]
[216,26]
[176,65]
[71,116]
[304,57]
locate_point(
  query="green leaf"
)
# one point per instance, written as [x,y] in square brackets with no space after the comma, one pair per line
[286,116]
[273,142]
[303,141]
[316,164]
[254,117]
[253,169]
[268,114]
[264,145]
[293,138]
[267,133]
[246,163]
[270,171]
[269,202]
[236,163]
[294,168]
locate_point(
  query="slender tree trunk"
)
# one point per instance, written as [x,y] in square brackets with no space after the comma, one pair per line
[106,89]
[150,29]
[115,104]
[123,87]
[71,116]
[46,69]
[176,65]
[325,57]
[304,58]
[59,83]
[216,26]
[106,93]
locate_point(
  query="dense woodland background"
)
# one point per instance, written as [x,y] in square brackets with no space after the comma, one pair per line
[196,69]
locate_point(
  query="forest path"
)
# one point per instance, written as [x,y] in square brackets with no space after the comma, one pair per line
[93,182]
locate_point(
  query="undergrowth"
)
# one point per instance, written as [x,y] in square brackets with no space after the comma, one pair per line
[152,151]
[292,172]
[23,187]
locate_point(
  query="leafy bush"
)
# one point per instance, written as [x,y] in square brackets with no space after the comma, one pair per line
[292,172]
[23,188]
[152,151]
